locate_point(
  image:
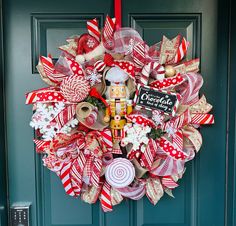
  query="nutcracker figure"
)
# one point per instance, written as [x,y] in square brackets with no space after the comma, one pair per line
[117,95]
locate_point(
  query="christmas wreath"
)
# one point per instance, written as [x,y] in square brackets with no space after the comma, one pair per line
[119,119]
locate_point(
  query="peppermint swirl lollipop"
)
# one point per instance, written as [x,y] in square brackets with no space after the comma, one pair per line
[120,173]
[75,88]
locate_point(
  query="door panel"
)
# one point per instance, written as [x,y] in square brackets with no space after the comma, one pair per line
[34,28]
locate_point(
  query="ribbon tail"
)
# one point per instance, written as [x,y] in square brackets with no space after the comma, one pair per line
[105,198]
[93,29]
[66,179]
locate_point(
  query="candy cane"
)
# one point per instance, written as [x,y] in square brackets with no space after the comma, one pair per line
[153,69]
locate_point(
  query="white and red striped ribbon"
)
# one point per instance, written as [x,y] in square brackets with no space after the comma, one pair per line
[66,179]
[41,145]
[49,69]
[76,173]
[149,154]
[182,50]
[109,28]
[108,32]
[168,182]
[65,115]
[105,197]
[93,29]
[47,64]
[96,171]
[107,138]
[178,140]
[202,119]
[179,121]
[139,55]
[190,90]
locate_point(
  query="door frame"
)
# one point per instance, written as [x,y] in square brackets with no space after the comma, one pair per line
[230,190]
[4,207]
[230,183]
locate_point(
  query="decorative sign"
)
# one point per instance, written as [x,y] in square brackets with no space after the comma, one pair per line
[150,98]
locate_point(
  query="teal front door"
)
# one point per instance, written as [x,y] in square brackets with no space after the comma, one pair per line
[38,27]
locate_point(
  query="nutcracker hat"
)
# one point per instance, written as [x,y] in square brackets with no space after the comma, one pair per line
[88,48]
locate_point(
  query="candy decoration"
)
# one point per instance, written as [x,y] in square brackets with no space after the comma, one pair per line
[75,88]
[169,71]
[120,173]
[134,192]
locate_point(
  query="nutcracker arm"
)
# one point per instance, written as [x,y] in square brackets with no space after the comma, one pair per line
[129,107]
[107,114]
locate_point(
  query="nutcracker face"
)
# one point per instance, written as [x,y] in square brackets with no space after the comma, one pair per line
[117,92]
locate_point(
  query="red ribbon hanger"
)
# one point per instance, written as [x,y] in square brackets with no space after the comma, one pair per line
[117,10]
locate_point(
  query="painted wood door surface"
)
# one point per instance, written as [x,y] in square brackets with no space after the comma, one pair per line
[38,27]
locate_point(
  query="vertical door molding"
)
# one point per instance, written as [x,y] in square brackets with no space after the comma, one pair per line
[230,214]
[3,162]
